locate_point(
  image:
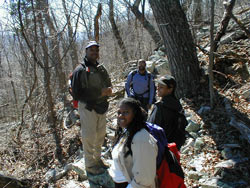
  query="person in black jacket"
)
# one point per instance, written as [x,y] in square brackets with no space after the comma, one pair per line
[91,85]
[165,111]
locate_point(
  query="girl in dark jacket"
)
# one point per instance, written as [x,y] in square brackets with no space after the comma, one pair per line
[165,111]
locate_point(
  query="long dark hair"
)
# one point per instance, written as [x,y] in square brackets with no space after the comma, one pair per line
[138,123]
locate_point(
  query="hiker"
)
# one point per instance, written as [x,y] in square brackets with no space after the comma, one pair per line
[92,86]
[135,150]
[165,112]
[140,85]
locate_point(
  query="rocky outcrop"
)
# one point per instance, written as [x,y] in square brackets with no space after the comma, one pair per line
[11,182]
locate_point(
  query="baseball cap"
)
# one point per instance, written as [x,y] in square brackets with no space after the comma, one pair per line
[167,80]
[92,43]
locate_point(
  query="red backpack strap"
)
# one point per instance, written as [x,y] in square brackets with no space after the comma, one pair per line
[172,147]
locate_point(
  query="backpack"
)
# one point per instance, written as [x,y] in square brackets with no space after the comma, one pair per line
[74,85]
[148,90]
[181,125]
[169,171]
[75,102]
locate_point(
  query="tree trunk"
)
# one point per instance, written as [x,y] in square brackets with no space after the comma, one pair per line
[56,56]
[241,25]
[97,16]
[116,31]
[146,24]
[197,12]
[224,22]
[73,47]
[179,44]
[211,57]
[49,99]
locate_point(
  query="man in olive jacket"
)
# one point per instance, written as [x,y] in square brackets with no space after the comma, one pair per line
[91,86]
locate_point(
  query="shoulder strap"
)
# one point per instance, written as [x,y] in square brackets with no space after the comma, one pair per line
[133,74]
[149,78]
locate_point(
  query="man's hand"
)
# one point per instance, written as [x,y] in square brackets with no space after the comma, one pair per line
[149,106]
[106,91]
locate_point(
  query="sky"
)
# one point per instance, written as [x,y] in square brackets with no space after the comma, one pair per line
[3,12]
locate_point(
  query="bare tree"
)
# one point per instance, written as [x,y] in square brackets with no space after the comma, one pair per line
[73,45]
[96,22]
[224,22]
[55,50]
[211,57]
[47,78]
[44,64]
[146,24]
[116,31]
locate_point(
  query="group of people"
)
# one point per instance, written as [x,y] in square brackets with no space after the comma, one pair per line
[135,150]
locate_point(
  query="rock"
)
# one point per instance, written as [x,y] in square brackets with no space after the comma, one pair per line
[111,135]
[242,70]
[197,163]
[199,143]
[242,127]
[194,175]
[160,53]
[79,168]
[204,109]
[246,94]
[248,67]
[104,180]
[86,184]
[162,67]
[192,127]
[80,154]
[162,48]
[194,135]
[154,58]
[209,183]
[231,163]
[232,36]
[227,153]
[218,183]
[54,174]
[11,182]
[150,66]
[72,184]
[74,116]
[186,147]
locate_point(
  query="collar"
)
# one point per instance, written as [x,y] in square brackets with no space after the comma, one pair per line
[88,63]
[142,74]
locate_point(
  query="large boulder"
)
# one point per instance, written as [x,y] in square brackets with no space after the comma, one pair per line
[162,66]
[150,66]
[11,182]
[154,58]
[232,36]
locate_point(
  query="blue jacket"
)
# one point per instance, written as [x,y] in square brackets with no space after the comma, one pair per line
[140,85]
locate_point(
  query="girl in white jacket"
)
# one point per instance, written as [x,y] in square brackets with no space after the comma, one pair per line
[135,151]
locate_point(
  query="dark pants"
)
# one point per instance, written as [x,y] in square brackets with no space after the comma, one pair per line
[121,185]
[143,101]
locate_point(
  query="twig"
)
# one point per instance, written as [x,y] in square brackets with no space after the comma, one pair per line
[4,105]
[220,73]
